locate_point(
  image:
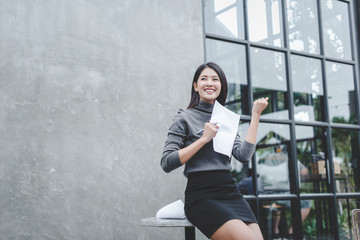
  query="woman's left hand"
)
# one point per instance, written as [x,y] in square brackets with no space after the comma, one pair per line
[259,105]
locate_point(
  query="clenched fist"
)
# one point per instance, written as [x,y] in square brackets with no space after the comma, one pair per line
[259,105]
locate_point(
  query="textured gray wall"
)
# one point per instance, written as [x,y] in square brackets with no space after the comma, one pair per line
[88,91]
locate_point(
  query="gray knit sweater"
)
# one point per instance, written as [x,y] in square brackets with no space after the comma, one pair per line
[183,132]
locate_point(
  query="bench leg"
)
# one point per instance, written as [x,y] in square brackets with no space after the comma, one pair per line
[189,233]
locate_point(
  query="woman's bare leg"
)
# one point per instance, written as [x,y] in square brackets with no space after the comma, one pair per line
[237,230]
[256,229]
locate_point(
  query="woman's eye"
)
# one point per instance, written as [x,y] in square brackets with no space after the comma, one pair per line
[203,79]
[215,79]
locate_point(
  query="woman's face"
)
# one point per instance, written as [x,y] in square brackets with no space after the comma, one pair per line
[208,85]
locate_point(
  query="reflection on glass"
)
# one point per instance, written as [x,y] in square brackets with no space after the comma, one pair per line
[224,17]
[244,180]
[275,219]
[231,58]
[265,22]
[346,159]
[272,158]
[341,93]
[269,80]
[317,224]
[303,25]
[310,144]
[336,29]
[345,206]
[308,89]
[242,173]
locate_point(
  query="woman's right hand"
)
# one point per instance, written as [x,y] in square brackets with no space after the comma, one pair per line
[210,131]
[186,153]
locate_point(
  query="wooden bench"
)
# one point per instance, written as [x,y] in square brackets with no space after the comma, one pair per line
[156,222]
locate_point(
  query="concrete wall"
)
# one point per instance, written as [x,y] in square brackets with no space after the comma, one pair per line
[88,90]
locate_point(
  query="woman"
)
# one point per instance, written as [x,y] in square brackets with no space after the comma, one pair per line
[213,203]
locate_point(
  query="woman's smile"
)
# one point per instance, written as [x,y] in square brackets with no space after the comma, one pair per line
[211,90]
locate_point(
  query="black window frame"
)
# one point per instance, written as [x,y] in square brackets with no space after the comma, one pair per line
[295,196]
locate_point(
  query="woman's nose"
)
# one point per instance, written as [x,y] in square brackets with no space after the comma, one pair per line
[209,82]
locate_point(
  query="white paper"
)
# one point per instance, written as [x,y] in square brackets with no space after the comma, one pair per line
[172,210]
[228,123]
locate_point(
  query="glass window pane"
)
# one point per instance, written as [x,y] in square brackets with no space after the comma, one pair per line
[225,18]
[242,173]
[336,29]
[265,22]
[272,158]
[345,207]
[303,25]
[317,223]
[275,219]
[243,178]
[269,80]
[346,159]
[310,144]
[308,89]
[232,59]
[341,93]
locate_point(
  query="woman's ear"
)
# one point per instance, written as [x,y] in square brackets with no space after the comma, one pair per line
[195,86]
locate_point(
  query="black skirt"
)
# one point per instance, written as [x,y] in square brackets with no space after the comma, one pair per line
[212,198]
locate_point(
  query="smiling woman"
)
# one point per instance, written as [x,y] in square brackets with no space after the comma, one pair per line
[213,203]
[206,73]
[208,86]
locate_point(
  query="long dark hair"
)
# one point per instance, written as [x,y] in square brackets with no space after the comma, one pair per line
[195,97]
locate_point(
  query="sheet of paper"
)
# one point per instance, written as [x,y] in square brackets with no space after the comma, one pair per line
[228,123]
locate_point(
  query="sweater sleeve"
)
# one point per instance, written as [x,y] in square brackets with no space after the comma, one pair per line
[243,151]
[175,141]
